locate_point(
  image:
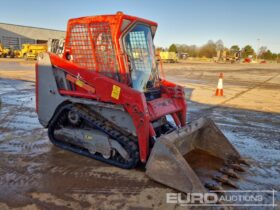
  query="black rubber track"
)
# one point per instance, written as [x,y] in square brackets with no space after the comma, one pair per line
[94,120]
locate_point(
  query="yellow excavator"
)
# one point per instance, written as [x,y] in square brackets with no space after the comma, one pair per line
[31,51]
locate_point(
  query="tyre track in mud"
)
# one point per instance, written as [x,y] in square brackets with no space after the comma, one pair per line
[250,88]
[18,181]
[67,179]
[207,77]
[11,146]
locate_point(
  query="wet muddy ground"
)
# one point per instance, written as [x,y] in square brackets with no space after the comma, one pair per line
[34,174]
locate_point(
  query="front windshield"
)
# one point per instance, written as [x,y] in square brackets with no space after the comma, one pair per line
[140,51]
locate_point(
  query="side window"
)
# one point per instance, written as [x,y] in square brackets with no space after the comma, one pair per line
[140,50]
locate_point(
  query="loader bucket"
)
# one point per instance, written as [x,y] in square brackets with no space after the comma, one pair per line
[194,158]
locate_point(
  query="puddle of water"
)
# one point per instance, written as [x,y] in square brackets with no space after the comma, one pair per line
[24,99]
[24,122]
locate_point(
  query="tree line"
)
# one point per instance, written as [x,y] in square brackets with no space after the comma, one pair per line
[211,48]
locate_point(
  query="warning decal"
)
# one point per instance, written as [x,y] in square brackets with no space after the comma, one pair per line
[116,92]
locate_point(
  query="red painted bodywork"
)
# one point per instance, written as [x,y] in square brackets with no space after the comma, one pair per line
[134,102]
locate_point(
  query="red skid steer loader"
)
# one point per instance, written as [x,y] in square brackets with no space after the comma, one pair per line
[105,99]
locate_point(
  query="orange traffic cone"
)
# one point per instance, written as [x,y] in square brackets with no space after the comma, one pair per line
[219,90]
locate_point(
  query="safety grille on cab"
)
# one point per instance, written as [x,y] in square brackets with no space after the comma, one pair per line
[81,46]
[93,49]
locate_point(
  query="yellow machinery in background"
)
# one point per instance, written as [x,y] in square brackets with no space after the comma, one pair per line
[7,52]
[1,51]
[31,51]
[226,56]
[168,57]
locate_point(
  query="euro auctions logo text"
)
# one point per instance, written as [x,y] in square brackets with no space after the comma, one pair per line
[224,198]
[192,198]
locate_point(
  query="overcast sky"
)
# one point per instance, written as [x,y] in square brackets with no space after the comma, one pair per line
[180,21]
